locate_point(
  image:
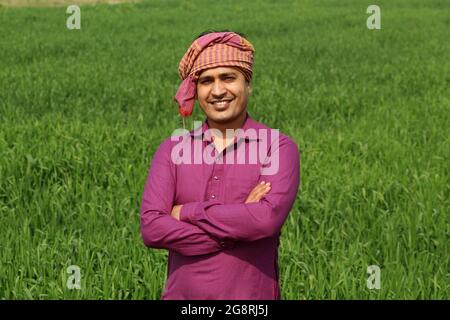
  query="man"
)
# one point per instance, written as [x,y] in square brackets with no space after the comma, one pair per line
[220,220]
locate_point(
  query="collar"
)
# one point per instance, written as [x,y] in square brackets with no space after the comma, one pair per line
[249,123]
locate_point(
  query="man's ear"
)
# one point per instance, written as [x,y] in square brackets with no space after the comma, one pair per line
[249,89]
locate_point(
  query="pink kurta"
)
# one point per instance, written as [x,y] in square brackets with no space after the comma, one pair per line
[222,248]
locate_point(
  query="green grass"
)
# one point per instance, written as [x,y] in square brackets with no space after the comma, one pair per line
[82,112]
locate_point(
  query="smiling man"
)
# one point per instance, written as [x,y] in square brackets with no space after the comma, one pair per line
[220,221]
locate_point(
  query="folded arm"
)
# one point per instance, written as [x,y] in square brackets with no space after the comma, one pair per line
[252,221]
[158,228]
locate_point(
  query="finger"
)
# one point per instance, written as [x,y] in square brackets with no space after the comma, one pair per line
[261,194]
[260,185]
[257,189]
[256,195]
[265,188]
[249,200]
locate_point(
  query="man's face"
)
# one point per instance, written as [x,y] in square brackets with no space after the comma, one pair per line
[222,93]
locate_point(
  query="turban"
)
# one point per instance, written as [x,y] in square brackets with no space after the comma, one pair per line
[216,49]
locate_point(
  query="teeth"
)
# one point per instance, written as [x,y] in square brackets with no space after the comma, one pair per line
[221,103]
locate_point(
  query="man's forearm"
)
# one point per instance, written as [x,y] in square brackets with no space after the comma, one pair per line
[237,222]
[161,231]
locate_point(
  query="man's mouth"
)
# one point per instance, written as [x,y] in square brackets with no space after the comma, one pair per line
[222,104]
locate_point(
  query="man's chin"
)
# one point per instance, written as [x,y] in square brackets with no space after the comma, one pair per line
[221,117]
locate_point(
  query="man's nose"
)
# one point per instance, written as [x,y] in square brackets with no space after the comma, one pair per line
[218,89]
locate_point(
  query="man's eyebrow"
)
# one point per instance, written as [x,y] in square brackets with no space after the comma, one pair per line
[231,73]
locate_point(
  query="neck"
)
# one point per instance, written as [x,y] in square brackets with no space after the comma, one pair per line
[234,124]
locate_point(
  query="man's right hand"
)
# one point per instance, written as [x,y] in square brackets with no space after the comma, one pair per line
[258,192]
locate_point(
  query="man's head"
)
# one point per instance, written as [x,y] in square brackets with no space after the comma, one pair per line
[222,93]
[216,68]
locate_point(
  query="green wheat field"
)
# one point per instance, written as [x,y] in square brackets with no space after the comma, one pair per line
[83,111]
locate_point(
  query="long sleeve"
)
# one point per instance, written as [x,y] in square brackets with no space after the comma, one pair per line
[252,221]
[158,228]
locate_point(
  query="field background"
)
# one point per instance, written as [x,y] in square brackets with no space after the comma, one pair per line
[82,112]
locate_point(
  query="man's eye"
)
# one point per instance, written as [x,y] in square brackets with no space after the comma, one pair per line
[206,81]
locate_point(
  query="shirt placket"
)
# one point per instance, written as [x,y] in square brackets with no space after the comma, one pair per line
[217,176]
[213,191]
[215,182]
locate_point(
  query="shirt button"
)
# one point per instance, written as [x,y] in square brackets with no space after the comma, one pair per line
[216,178]
[213,196]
